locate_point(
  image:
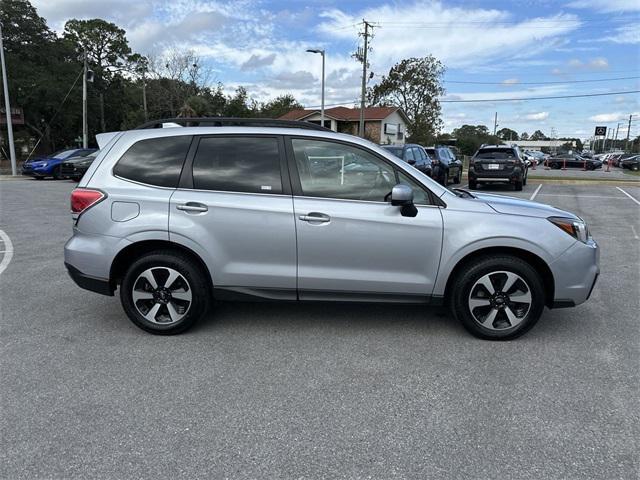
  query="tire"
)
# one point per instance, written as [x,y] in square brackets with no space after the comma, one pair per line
[56,173]
[445,178]
[190,283]
[517,186]
[458,178]
[473,185]
[38,178]
[524,179]
[468,289]
[555,166]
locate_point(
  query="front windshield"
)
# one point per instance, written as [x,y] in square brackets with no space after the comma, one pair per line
[397,151]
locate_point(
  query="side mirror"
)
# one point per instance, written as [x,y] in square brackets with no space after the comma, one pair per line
[401,195]
[411,162]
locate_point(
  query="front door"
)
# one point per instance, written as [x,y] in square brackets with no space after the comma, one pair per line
[351,241]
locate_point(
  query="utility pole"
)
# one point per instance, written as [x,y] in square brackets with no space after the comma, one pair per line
[144,97]
[363,59]
[85,126]
[626,142]
[495,124]
[7,106]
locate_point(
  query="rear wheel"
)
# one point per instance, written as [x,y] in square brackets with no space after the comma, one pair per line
[165,293]
[518,186]
[555,166]
[498,298]
[57,174]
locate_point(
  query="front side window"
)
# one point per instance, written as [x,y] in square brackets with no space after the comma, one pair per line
[409,155]
[420,195]
[238,164]
[334,170]
[156,161]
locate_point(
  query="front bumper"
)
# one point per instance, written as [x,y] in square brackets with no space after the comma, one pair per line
[575,272]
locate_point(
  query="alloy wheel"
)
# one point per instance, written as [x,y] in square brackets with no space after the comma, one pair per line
[162,295]
[500,300]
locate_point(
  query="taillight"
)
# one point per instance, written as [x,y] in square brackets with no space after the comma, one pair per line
[84,198]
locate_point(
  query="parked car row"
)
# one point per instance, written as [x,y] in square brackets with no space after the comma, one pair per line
[438,162]
[70,163]
[573,160]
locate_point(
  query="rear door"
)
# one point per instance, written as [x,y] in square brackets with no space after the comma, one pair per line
[352,243]
[234,205]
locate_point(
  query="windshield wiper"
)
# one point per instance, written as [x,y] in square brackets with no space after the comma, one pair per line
[463,193]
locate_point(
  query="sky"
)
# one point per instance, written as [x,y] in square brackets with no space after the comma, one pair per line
[491,50]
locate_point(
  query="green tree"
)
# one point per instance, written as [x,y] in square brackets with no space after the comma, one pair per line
[279,106]
[470,137]
[538,135]
[107,50]
[415,85]
[507,134]
[524,136]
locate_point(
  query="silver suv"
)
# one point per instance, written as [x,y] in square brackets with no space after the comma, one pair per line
[177,217]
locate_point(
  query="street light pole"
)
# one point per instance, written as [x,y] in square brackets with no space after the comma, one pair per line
[321,52]
[7,103]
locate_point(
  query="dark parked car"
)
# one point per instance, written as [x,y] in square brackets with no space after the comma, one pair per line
[573,160]
[413,154]
[632,163]
[445,165]
[50,166]
[498,163]
[75,167]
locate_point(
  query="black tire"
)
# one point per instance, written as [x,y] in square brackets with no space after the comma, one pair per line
[555,166]
[458,178]
[57,175]
[38,178]
[466,280]
[517,186]
[524,179]
[473,184]
[445,178]
[197,282]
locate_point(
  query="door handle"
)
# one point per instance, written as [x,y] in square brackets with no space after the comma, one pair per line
[192,207]
[315,217]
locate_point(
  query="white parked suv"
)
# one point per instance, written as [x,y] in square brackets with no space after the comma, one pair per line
[228,208]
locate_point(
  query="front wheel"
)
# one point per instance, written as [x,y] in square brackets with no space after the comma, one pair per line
[57,174]
[473,184]
[498,298]
[165,293]
[518,186]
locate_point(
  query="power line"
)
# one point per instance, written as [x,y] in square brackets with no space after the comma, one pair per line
[540,83]
[539,98]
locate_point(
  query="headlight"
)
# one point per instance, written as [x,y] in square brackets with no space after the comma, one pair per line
[576,228]
[43,165]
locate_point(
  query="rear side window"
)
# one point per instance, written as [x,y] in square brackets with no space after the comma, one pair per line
[156,161]
[238,164]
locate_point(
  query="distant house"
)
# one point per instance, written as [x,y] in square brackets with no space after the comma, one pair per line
[386,125]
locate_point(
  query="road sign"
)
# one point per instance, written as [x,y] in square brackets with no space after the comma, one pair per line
[601,131]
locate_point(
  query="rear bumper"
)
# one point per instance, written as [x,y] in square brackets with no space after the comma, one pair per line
[93,284]
[497,176]
[576,272]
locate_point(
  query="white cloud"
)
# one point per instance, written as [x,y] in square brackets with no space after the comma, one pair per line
[629,34]
[510,81]
[608,117]
[537,116]
[432,27]
[607,6]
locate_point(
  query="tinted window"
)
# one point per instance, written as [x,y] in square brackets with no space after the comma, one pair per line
[238,164]
[334,170]
[156,161]
[495,153]
[432,152]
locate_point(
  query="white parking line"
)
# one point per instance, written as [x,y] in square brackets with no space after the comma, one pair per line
[8,251]
[635,234]
[628,195]
[536,192]
[580,196]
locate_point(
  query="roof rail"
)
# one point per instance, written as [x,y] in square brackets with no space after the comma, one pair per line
[231,122]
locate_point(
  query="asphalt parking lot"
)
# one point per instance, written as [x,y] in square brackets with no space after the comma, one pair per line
[314,390]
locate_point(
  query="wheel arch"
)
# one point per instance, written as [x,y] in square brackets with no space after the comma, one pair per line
[133,251]
[534,260]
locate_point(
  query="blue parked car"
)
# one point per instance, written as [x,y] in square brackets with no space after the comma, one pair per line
[50,166]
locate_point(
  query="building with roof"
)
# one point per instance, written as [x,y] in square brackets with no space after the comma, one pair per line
[386,125]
